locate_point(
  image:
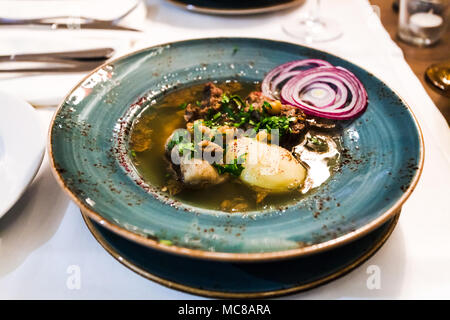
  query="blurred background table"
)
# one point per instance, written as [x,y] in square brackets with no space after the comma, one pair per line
[418,58]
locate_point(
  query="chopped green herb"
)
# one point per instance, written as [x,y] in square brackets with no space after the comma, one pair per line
[172,143]
[217,116]
[133,153]
[176,139]
[275,122]
[183,106]
[166,242]
[235,50]
[237,100]
[234,111]
[226,108]
[234,168]
[316,143]
[225,98]
[267,105]
[186,148]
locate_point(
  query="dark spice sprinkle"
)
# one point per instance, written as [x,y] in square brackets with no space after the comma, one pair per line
[61,170]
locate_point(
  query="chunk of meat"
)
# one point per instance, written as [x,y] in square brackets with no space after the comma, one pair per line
[298,124]
[199,173]
[195,173]
[321,123]
[192,112]
[173,186]
[212,98]
[177,136]
[235,205]
[256,99]
[302,120]
[211,149]
[206,132]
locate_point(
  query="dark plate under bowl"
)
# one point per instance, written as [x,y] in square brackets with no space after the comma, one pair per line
[236,7]
[241,280]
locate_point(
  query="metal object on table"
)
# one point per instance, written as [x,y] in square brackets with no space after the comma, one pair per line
[72,22]
[422,22]
[72,67]
[88,54]
[438,75]
[66,61]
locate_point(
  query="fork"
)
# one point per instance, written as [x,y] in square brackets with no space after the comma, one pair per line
[86,22]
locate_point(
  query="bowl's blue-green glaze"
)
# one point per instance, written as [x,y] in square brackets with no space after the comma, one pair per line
[383,157]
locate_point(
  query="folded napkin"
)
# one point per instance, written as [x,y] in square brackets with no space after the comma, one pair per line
[50,89]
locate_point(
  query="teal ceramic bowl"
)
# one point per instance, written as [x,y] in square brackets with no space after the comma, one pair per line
[382,162]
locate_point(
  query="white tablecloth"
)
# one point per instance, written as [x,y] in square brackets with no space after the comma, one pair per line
[44,234]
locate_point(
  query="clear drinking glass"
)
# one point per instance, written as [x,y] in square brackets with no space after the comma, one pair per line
[312,28]
[422,22]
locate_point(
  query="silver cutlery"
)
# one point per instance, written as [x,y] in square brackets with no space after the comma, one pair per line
[72,22]
[66,61]
[80,67]
[88,54]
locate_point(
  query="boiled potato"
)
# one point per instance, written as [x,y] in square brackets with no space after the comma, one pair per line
[266,167]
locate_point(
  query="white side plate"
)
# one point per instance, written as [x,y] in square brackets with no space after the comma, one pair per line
[22,145]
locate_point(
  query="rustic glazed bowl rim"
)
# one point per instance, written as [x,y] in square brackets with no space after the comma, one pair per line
[228,256]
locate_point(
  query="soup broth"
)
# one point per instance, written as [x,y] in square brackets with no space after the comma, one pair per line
[148,137]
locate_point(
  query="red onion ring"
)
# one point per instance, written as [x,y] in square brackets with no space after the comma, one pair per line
[348,96]
[284,72]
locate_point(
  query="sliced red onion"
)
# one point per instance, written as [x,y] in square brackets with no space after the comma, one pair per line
[347,96]
[327,98]
[272,80]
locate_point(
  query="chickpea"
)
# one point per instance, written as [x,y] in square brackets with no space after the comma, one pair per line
[276,107]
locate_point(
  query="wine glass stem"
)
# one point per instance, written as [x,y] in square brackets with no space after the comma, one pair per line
[311,27]
[313,14]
